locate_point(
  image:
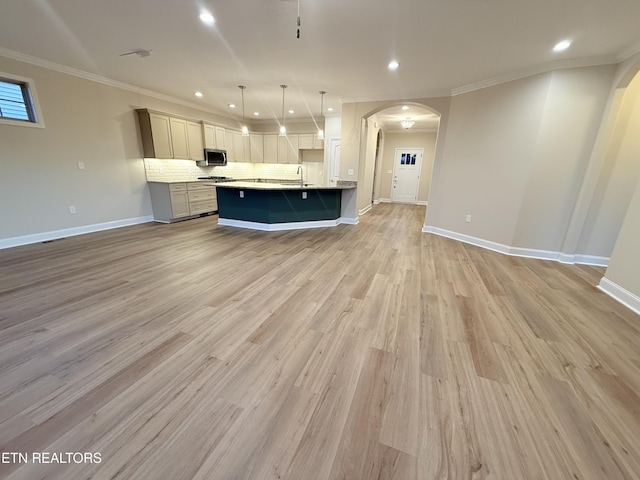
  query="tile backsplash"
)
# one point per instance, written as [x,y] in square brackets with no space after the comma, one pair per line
[159,170]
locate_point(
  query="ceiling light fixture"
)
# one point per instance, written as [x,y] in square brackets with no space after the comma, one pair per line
[245,129]
[320,127]
[207,18]
[232,105]
[329,109]
[407,123]
[405,107]
[256,114]
[393,65]
[198,94]
[141,52]
[562,46]
[291,112]
[283,129]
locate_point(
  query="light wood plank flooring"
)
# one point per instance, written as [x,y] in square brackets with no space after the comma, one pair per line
[192,351]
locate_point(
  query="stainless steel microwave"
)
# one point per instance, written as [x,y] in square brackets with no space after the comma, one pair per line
[213,157]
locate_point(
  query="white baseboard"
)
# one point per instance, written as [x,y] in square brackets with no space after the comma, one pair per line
[518,251]
[71,232]
[276,227]
[349,221]
[625,297]
[364,210]
[388,200]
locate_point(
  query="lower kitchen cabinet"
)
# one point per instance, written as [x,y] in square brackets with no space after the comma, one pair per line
[179,201]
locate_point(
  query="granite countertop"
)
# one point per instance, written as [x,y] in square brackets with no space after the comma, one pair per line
[265,184]
[288,185]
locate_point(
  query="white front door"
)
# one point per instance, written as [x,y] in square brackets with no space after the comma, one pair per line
[334,161]
[406,175]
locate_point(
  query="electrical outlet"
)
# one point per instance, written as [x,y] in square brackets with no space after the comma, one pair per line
[468,219]
[350,172]
[304,195]
[80,165]
[72,209]
[389,171]
[241,193]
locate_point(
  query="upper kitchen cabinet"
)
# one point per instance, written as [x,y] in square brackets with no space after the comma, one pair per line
[270,144]
[209,136]
[194,137]
[257,148]
[310,141]
[288,149]
[164,136]
[155,131]
[179,138]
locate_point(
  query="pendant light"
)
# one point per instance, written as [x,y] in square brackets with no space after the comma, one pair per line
[283,129]
[321,126]
[245,129]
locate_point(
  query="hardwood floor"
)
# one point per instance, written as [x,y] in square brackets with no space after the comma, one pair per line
[192,351]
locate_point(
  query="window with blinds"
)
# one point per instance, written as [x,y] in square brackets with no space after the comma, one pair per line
[15,101]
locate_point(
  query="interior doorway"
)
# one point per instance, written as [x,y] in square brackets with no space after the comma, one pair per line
[407,167]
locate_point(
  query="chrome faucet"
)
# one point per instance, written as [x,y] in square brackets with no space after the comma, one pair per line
[300,172]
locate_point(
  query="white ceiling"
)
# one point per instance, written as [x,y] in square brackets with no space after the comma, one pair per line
[344,47]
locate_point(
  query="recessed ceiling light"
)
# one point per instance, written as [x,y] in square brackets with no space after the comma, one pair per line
[330,109]
[207,18]
[393,65]
[198,94]
[405,108]
[257,114]
[291,112]
[562,46]
[232,105]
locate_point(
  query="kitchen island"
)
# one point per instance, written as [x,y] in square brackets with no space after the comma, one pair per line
[282,206]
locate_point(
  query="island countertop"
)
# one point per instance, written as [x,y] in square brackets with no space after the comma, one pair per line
[248,185]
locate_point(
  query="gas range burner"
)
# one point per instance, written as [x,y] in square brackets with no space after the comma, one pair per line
[216,179]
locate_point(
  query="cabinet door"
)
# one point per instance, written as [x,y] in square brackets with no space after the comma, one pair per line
[229,146]
[179,138]
[209,134]
[292,154]
[194,135]
[220,138]
[238,147]
[283,149]
[257,148]
[305,141]
[179,204]
[161,135]
[270,144]
[317,143]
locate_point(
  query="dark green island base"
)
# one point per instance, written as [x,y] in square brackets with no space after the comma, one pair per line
[278,208]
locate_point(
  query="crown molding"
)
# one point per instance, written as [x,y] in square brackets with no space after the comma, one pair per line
[92,77]
[548,67]
[629,52]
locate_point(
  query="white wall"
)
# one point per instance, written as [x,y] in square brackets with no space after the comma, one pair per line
[624,266]
[617,178]
[568,127]
[487,156]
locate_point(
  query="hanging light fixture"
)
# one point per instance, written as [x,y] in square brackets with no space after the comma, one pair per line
[283,129]
[245,129]
[321,126]
[407,123]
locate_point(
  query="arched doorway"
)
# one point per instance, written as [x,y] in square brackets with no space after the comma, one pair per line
[383,136]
